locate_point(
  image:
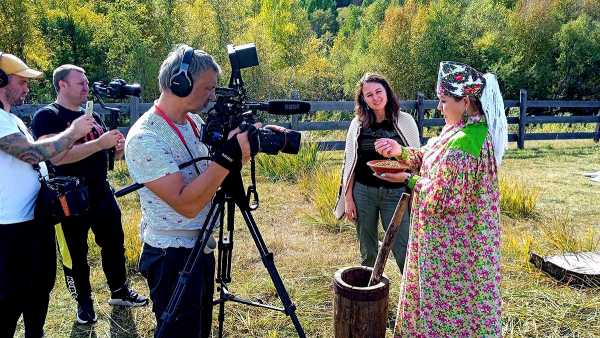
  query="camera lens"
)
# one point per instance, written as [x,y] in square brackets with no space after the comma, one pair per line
[292,144]
[132,90]
[272,141]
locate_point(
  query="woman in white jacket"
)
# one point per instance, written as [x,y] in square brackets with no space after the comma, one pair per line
[363,198]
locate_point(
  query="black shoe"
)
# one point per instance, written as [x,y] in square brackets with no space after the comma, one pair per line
[86,313]
[127,297]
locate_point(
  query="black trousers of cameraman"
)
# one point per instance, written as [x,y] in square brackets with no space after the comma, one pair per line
[161,269]
[104,218]
[27,275]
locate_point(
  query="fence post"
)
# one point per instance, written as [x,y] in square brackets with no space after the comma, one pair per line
[420,114]
[294,95]
[134,113]
[597,133]
[522,118]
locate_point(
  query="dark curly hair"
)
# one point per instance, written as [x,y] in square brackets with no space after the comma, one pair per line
[362,110]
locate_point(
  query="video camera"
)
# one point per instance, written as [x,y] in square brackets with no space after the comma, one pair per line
[116,89]
[233,109]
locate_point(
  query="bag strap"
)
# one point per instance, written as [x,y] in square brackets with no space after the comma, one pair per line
[35,166]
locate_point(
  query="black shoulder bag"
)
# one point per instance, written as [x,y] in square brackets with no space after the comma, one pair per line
[59,197]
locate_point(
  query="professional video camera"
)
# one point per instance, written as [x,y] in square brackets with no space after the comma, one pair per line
[115,89]
[233,109]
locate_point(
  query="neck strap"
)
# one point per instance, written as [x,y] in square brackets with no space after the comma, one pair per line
[171,124]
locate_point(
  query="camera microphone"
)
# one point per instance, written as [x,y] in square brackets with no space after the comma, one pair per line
[282,107]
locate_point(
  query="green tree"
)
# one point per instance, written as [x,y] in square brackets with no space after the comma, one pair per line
[393,48]
[70,29]
[20,35]
[578,63]
[528,50]
[135,42]
[437,35]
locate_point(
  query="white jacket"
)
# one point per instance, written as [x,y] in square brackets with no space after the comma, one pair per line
[405,126]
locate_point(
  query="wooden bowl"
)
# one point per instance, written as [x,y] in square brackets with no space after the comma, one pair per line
[387,166]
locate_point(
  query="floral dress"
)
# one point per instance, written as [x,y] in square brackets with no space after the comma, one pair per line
[451,281]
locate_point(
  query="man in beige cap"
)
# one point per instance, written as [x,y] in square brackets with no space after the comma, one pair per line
[27,248]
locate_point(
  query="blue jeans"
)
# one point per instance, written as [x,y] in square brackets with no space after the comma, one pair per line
[375,204]
[161,269]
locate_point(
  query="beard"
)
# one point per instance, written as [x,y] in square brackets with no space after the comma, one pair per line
[15,99]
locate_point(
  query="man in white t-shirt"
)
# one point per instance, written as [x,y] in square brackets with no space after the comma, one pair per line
[27,249]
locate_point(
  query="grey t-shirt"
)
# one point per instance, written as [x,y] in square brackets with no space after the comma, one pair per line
[154,150]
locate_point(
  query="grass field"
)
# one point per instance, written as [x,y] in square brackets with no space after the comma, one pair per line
[307,254]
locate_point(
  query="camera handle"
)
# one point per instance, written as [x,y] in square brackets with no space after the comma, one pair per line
[230,195]
[251,193]
[113,123]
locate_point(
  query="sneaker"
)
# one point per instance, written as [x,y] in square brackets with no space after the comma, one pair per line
[86,313]
[127,297]
[592,174]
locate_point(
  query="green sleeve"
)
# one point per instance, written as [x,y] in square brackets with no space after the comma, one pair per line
[412,181]
[470,139]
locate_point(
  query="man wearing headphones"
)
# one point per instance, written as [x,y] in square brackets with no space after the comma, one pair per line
[88,160]
[175,202]
[27,248]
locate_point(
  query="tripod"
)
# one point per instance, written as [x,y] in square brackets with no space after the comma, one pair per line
[230,195]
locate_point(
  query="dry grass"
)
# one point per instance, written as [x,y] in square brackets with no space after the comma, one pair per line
[288,167]
[321,190]
[517,198]
[307,257]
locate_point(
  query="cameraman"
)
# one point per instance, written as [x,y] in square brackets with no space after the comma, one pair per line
[175,202]
[88,160]
[27,248]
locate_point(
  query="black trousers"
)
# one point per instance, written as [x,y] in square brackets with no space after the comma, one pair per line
[104,218]
[161,269]
[27,275]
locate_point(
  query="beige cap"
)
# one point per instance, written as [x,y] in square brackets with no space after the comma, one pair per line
[12,65]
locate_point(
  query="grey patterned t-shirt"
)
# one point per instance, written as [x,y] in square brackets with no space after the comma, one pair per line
[154,150]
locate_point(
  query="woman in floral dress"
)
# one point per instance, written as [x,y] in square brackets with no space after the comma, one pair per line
[451,282]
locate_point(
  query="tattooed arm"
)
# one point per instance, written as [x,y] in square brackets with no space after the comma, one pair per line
[80,151]
[20,147]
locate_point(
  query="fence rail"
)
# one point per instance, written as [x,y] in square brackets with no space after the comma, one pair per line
[417,107]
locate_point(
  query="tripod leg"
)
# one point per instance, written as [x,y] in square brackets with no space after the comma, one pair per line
[225,254]
[221,316]
[167,316]
[267,258]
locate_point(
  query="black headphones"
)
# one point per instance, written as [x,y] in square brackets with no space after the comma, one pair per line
[181,83]
[3,76]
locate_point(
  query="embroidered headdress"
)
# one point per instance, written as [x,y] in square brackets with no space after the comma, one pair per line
[459,80]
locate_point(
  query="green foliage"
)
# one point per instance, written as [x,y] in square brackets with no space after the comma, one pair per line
[324,23]
[315,5]
[579,58]
[550,47]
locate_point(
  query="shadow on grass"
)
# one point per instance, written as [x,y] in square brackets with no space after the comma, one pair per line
[80,331]
[549,151]
[122,323]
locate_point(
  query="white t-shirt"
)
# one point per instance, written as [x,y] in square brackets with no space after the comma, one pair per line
[19,184]
[153,150]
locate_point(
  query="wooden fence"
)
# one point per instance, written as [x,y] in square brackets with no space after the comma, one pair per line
[418,108]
